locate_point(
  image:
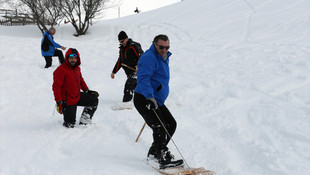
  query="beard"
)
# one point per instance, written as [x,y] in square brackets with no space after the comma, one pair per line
[72,63]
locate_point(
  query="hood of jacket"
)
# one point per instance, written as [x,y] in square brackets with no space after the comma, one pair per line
[48,33]
[73,51]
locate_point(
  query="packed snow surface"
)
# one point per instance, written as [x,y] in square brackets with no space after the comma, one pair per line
[240,92]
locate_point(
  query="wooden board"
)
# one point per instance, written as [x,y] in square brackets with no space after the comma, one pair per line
[180,170]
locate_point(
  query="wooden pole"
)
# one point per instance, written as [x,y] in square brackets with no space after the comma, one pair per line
[129,67]
[140,131]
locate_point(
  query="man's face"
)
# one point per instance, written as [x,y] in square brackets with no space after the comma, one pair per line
[72,59]
[123,42]
[53,32]
[162,47]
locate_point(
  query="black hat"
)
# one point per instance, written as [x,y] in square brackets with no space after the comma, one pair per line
[122,35]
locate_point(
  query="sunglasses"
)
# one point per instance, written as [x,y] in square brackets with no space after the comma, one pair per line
[163,47]
[73,55]
[121,41]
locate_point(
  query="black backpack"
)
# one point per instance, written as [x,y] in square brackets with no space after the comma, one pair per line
[46,43]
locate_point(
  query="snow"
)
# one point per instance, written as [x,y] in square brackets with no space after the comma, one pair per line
[240,92]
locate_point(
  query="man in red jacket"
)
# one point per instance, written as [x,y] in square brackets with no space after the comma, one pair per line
[67,86]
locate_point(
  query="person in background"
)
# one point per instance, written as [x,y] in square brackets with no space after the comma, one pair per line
[137,10]
[129,54]
[149,99]
[48,48]
[67,86]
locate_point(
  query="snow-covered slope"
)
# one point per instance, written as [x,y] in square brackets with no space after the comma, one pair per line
[240,92]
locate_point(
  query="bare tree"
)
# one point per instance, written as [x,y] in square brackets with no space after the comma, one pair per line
[81,12]
[53,11]
[78,12]
[3,1]
[44,12]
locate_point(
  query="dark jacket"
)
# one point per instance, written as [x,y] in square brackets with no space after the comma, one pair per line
[48,45]
[128,55]
[68,81]
[153,76]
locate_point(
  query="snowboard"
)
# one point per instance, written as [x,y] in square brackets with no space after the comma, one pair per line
[178,170]
[122,106]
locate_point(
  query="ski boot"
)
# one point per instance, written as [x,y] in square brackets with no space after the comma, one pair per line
[68,125]
[167,160]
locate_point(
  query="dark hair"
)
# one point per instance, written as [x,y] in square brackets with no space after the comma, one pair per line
[122,35]
[161,37]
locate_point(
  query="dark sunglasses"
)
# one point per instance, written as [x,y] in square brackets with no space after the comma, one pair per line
[121,41]
[163,47]
[73,55]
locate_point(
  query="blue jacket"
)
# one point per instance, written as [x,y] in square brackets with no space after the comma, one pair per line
[153,76]
[48,45]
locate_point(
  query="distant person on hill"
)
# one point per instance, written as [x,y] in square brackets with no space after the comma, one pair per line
[129,54]
[48,48]
[150,94]
[67,86]
[137,10]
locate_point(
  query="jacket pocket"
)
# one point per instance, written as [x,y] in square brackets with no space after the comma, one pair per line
[159,88]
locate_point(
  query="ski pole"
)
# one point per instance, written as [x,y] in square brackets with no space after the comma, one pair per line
[54,109]
[171,139]
[140,131]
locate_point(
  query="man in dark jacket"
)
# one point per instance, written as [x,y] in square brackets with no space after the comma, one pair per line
[67,86]
[150,94]
[129,54]
[48,48]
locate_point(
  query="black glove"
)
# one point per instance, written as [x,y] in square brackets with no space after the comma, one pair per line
[151,103]
[95,93]
[61,106]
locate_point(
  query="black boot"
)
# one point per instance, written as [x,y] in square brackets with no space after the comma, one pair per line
[167,160]
[68,125]
[87,115]
[152,151]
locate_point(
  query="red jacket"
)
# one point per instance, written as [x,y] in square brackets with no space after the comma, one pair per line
[68,82]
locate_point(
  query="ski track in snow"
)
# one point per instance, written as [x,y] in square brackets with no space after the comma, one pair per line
[239,85]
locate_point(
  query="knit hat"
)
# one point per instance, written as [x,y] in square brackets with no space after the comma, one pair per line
[122,35]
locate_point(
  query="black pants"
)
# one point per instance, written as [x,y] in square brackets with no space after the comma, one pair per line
[160,136]
[130,86]
[88,100]
[48,59]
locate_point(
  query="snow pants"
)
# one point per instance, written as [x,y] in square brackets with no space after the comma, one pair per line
[48,59]
[90,102]
[160,136]
[130,86]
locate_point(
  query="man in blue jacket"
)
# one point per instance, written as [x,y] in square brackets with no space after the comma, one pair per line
[48,48]
[150,94]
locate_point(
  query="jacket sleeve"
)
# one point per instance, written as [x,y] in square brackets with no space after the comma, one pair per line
[54,43]
[59,78]
[84,87]
[117,66]
[146,68]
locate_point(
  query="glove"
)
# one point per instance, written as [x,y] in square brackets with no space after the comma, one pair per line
[151,103]
[60,106]
[95,93]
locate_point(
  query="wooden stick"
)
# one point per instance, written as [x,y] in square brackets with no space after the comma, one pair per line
[129,67]
[140,131]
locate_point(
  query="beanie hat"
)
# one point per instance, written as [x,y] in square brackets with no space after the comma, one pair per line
[122,35]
